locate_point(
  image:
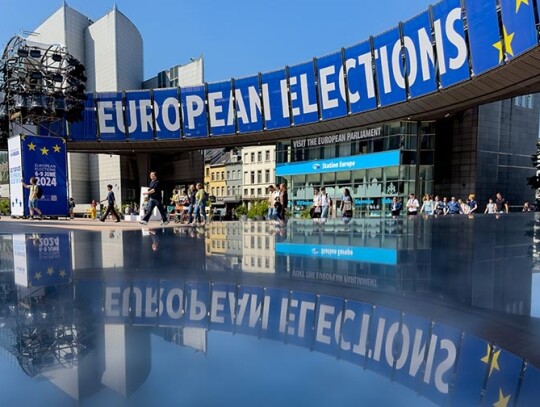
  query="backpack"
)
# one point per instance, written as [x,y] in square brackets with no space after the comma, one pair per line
[206,196]
[39,192]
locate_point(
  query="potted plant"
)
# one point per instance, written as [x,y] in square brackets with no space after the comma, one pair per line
[241,212]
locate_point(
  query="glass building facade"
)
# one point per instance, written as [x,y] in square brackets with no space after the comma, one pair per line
[375,163]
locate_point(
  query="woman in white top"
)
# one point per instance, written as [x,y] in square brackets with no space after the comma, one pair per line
[412,205]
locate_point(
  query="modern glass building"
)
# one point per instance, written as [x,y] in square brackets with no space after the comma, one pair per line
[374,163]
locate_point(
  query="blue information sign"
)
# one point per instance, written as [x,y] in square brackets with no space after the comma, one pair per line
[519,28]
[248,104]
[221,108]
[110,117]
[419,55]
[45,158]
[452,53]
[85,130]
[194,111]
[140,123]
[360,78]
[332,92]
[167,114]
[303,93]
[275,100]
[487,50]
[389,67]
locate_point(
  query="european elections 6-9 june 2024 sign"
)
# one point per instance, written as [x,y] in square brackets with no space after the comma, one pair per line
[45,159]
[449,43]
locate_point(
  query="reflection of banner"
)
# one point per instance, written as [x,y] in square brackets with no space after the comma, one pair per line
[349,253]
[42,260]
[429,358]
[45,159]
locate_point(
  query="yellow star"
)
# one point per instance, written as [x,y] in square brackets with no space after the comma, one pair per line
[37,275]
[518,3]
[503,401]
[56,148]
[62,273]
[23,137]
[50,271]
[44,151]
[32,146]
[494,360]
[507,38]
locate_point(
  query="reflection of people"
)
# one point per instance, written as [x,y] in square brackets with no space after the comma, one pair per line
[154,199]
[526,207]
[155,240]
[33,198]
[110,205]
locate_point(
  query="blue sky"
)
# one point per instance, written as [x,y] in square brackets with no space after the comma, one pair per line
[237,38]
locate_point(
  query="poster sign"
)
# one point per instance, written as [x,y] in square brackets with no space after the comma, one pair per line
[45,159]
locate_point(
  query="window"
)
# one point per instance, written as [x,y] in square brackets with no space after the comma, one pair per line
[212,176]
[245,191]
[246,179]
[267,155]
[228,175]
[222,175]
[253,177]
[259,156]
[222,191]
[259,191]
[245,158]
[252,157]
[228,191]
[207,171]
[259,177]
[213,191]
[252,191]
[267,176]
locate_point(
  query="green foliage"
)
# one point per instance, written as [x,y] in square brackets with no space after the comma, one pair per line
[4,206]
[241,210]
[258,209]
[305,214]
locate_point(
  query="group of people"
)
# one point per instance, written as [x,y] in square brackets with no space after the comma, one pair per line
[278,200]
[190,205]
[322,203]
[436,206]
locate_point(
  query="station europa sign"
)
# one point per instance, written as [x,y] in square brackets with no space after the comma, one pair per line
[451,42]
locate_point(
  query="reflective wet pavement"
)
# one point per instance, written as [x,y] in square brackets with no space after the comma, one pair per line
[416,312]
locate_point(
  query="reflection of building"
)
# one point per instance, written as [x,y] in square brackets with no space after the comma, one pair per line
[223,246]
[258,248]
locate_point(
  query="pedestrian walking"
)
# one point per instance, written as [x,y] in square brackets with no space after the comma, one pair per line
[111,201]
[154,199]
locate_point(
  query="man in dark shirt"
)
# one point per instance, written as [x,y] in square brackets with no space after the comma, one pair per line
[502,204]
[154,199]
[110,205]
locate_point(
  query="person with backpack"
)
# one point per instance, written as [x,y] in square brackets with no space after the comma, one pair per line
[154,199]
[201,197]
[35,194]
